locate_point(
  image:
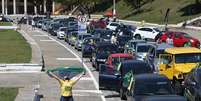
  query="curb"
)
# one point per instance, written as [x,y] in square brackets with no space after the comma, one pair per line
[8,27]
[20,67]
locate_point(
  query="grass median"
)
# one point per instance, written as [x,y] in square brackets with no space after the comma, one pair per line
[13,47]
[5,24]
[8,94]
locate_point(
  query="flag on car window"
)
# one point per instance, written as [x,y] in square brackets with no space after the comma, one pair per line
[128,80]
[69,71]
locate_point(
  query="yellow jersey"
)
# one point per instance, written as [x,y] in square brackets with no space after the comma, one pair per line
[66,87]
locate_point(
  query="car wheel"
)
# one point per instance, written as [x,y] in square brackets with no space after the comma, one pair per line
[122,94]
[187,44]
[137,37]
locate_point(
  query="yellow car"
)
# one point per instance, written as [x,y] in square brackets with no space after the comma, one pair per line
[177,62]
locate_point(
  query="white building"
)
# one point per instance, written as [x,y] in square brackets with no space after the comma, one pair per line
[10,7]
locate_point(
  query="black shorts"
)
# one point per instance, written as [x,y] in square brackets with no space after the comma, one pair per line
[66,98]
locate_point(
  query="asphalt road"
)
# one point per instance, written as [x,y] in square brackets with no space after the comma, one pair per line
[58,54]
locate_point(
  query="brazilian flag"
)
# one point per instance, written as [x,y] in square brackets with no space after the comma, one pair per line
[128,80]
[69,71]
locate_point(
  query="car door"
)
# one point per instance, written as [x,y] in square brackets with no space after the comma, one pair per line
[177,40]
[109,78]
[165,65]
[189,92]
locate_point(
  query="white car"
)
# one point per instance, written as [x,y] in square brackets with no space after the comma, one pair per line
[61,32]
[112,25]
[146,33]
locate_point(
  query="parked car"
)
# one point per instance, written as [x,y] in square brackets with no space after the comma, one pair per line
[177,63]
[165,98]
[114,59]
[180,39]
[103,33]
[101,53]
[146,85]
[146,33]
[67,34]
[79,40]
[89,46]
[122,40]
[61,32]
[112,25]
[113,78]
[142,50]
[192,85]
[152,56]
[130,46]
[72,36]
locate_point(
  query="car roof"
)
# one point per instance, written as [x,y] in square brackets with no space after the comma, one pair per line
[165,98]
[137,41]
[163,46]
[182,50]
[145,44]
[101,44]
[151,77]
[121,55]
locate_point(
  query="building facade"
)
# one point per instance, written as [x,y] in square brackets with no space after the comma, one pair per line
[12,7]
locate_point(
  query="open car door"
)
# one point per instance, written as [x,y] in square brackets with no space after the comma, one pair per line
[165,66]
[109,78]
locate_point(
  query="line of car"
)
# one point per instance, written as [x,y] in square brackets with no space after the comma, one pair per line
[140,65]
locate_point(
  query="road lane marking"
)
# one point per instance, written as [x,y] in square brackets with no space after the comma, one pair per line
[80,60]
[40,35]
[46,40]
[86,79]
[68,59]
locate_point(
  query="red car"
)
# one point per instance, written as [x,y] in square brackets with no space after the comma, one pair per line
[97,24]
[114,59]
[180,39]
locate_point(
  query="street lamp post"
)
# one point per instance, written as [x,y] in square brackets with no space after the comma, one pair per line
[114,9]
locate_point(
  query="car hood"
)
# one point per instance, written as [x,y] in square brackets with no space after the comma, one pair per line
[185,67]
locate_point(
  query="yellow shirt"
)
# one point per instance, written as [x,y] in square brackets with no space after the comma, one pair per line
[66,87]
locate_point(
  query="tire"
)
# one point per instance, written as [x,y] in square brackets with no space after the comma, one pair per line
[137,36]
[187,44]
[122,94]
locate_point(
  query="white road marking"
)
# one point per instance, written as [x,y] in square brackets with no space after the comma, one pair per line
[47,40]
[19,72]
[80,60]
[68,59]
[86,79]
[40,35]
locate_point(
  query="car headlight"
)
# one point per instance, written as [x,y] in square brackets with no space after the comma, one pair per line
[101,60]
[191,40]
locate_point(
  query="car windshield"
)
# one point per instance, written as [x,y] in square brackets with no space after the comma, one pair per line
[152,88]
[186,35]
[106,34]
[156,29]
[114,24]
[188,58]
[143,48]
[109,49]
[64,29]
[117,60]
[84,36]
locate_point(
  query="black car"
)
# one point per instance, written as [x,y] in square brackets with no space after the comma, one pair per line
[113,78]
[122,40]
[165,98]
[105,34]
[192,84]
[89,45]
[146,85]
[54,28]
[101,53]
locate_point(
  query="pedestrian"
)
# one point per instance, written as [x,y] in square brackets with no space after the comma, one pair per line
[66,86]
[113,39]
[169,40]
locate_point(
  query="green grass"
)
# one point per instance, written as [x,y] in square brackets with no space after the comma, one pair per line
[8,94]
[5,24]
[13,47]
[154,12]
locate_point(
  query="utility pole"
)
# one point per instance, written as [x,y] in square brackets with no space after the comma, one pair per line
[114,8]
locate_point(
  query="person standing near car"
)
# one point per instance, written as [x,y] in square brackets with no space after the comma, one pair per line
[66,86]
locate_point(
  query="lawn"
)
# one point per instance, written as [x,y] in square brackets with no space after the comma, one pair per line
[5,24]
[8,94]
[13,47]
[155,12]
